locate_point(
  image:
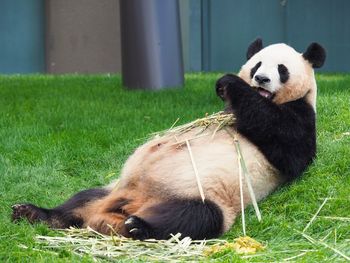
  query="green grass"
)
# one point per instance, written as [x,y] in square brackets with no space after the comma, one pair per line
[62,134]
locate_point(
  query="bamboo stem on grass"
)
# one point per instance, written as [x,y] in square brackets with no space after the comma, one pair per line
[195,171]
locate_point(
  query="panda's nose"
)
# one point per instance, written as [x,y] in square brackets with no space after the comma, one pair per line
[261,79]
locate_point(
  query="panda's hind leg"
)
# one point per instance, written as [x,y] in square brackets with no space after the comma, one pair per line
[109,214]
[62,216]
[191,218]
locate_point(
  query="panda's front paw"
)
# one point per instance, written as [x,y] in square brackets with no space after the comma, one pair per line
[221,85]
[226,84]
[230,87]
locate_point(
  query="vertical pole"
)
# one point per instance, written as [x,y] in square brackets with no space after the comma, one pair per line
[151,44]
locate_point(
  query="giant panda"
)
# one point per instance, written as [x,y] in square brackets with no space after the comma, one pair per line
[273,99]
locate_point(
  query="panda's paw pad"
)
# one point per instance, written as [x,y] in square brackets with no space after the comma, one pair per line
[137,228]
[220,91]
[28,211]
[225,84]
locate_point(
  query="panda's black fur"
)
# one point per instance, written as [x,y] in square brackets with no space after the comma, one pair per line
[154,197]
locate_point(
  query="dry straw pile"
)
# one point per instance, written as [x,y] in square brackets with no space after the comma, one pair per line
[176,249]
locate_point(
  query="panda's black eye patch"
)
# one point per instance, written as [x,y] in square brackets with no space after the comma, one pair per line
[254,69]
[284,73]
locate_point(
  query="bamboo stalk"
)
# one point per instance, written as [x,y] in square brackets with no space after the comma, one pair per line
[314,241]
[340,218]
[195,171]
[246,175]
[315,215]
[297,256]
[172,126]
[216,118]
[249,184]
[189,139]
[241,192]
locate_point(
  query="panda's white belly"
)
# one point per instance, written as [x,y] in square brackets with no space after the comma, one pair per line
[164,169]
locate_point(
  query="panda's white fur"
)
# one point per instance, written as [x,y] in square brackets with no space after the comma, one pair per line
[157,189]
[168,172]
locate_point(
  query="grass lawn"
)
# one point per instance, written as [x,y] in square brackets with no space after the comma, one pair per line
[62,134]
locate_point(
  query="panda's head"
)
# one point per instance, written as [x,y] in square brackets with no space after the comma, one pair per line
[280,73]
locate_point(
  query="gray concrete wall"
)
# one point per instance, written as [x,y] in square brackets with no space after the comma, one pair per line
[82,36]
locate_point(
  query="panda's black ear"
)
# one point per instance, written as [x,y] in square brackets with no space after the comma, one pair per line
[254,48]
[315,54]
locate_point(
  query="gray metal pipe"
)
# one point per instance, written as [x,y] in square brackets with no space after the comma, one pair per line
[151,44]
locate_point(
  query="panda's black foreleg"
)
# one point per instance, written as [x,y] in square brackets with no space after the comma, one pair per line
[191,218]
[256,116]
[284,133]
[62,216]
[245,101]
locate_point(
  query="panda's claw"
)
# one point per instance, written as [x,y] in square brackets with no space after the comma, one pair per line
[15,206]
[128,221]
[133,230]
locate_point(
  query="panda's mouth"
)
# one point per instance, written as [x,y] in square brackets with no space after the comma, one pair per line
[263,92]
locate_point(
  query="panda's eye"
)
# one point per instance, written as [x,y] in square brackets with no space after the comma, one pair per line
[254,69]
[284,73]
